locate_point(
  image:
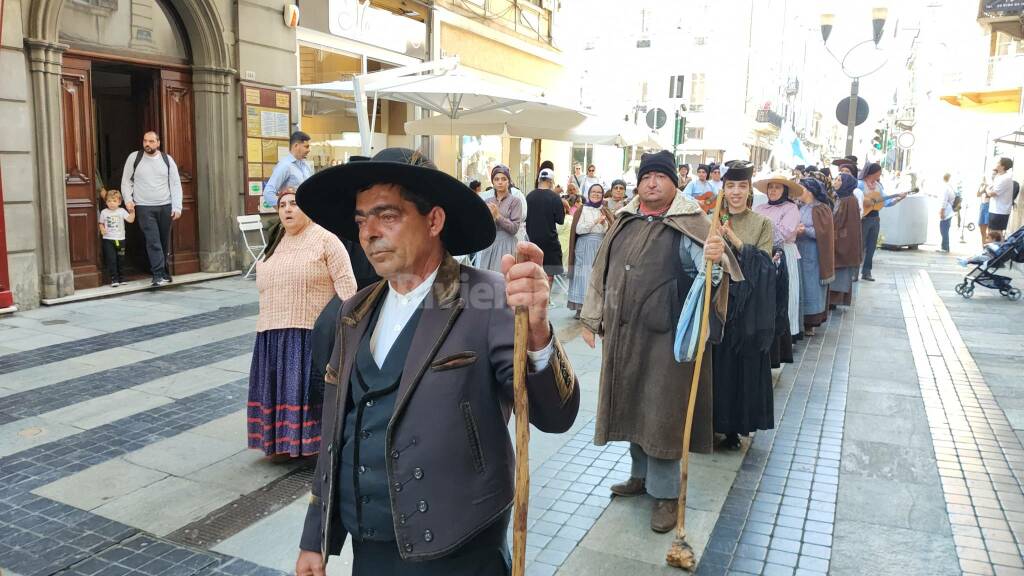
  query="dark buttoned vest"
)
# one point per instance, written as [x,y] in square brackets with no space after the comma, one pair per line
[364,497]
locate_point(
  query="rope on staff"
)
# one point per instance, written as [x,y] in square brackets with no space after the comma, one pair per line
[681,554]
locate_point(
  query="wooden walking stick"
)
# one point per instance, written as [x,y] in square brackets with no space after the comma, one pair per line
[681,553]
[521,406]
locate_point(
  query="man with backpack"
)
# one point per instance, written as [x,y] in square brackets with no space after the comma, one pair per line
[151,186]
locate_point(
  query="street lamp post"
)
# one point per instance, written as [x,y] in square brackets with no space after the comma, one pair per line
[878,16]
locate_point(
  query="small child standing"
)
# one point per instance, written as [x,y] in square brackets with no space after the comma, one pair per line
[112,219]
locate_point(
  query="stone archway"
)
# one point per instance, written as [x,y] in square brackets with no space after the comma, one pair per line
[213,74]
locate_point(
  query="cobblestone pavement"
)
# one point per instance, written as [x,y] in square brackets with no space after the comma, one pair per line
[897,449]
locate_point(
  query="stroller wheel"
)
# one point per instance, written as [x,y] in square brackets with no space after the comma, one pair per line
[970,227]
[1013,294]
[959,288]
[967,291]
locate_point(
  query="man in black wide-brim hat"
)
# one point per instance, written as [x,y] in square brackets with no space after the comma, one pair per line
[417,465]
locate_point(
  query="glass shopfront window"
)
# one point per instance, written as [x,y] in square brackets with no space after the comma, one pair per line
[330,117]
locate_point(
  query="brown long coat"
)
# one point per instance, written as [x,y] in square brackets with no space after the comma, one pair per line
[849,244]
[636,292]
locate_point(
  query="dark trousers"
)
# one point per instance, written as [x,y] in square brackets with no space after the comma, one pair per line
[944,230]
[869,229]
[155,222]
[112,256]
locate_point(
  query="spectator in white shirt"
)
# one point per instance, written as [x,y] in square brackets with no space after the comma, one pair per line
[1000,199]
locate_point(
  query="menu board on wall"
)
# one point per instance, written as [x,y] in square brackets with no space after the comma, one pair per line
[268,124]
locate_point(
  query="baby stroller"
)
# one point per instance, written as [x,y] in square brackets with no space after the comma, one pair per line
[986,264]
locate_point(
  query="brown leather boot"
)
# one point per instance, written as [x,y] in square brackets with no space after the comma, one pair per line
[663,515]
[631,487]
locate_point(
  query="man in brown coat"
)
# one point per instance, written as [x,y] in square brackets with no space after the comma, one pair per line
[643,271]
[416,464]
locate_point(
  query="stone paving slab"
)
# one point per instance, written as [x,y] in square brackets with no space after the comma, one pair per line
[100,484]
[105,409]
[148,508]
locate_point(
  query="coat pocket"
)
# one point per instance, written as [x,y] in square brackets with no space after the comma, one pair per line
[473,435]
[660,311]
[457,360]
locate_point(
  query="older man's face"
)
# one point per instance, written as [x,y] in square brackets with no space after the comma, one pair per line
[397,239]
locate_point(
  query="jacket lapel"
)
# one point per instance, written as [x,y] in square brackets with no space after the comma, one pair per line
[440,309]
[353,327]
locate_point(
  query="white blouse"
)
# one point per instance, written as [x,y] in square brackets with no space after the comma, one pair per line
[588,222]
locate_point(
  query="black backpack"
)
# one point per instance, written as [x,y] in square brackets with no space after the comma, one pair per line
[138,159]
[958,201]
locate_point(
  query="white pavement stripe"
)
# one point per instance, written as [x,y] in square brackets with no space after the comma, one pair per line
[198,471]
[60,371]
[54,425]
[54,372]
[195,380]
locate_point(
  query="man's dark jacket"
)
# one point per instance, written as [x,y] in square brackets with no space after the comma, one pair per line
[450,422]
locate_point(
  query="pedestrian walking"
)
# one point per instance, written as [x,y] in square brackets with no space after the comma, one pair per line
[1001,199]
[546,213]
[743,395]
[418,465]
[815,240]
[112,219]
[849,248]
[946,211]
[507,213]
[291,170]
[634,300]
[151,187]
[587,230]
[308,267]
[782,210]
[983,209]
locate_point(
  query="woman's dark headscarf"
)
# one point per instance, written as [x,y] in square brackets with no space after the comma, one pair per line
[600,202]
[782,199]
[815,187]
[847,187]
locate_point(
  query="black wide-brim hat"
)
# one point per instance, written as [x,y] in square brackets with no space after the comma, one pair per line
[329,197]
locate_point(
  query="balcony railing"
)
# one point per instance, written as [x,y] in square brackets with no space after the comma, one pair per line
[1000,72]
[528,18]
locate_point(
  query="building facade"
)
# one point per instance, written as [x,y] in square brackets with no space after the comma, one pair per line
[84,79]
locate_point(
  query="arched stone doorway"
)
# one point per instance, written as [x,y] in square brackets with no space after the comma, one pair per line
[212,75]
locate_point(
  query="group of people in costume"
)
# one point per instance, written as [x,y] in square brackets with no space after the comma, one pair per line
[389,357]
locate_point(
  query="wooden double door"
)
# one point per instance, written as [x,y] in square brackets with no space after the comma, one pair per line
[107,107]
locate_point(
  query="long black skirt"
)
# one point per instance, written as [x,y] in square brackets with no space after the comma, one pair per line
[743,396]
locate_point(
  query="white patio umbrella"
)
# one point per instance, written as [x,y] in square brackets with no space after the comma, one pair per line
[522,120]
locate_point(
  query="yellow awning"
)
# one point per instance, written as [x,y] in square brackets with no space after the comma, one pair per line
[1003,101]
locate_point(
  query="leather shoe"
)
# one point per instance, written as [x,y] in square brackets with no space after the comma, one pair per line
[663,515]
[631,487]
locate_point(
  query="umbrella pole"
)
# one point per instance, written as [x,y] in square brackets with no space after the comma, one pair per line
[681,554]
[521,406]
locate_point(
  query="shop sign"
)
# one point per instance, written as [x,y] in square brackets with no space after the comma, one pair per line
[1005,6]
[357,20]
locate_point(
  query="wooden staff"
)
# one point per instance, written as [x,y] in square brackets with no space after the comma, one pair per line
[681,553]
[521,406]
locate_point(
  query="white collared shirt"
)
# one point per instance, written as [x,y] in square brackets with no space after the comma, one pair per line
[398,309]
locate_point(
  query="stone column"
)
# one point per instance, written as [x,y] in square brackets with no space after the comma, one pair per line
[45,69]
[218,167]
